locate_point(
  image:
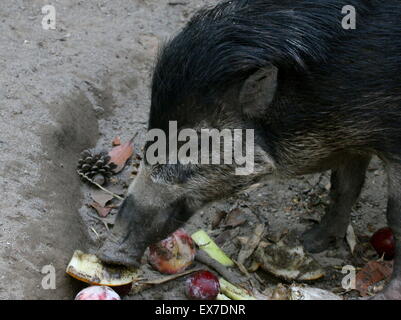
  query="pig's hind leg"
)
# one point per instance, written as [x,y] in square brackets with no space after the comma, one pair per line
[393,290]
[347,180]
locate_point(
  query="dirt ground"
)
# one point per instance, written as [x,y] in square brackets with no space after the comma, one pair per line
[78,87]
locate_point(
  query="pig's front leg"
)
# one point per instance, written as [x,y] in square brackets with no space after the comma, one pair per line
[393,290]
[346,183]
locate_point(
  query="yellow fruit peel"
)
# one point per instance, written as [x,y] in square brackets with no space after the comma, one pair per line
[205,243]
[234,292]
[89,269]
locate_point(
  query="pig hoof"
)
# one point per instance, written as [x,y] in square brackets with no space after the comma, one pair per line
[317,240]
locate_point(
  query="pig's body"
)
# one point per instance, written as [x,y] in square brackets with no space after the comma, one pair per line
[319,97]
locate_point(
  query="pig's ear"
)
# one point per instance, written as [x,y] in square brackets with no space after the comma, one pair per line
[258,91]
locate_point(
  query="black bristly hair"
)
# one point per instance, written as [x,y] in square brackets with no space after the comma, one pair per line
[223,45]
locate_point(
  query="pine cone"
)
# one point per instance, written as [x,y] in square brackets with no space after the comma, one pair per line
[95,166]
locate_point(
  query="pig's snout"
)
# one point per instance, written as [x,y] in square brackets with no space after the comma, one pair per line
[124,245]
[114,253]
[149,214]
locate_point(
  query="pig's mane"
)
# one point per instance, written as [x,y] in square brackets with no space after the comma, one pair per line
[225,44]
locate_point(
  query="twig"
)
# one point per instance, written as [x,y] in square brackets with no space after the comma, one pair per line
[170,278]
[99,186]
[94,231]
[242,268]
[144,285]
[226,273]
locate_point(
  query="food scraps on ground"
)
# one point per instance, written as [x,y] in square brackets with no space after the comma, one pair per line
[289,263]
[202,285]
[88,268]
[372,273]
[300,292]
[233,292]
[204,242]
[222,297]
[384,243]
[97,293]
[174,254]
[308,293]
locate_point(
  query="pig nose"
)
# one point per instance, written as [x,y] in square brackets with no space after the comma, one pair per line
[116,259]
[111,253]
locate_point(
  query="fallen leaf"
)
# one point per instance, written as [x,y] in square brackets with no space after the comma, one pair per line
[234,219]
[351,238]
[372,273]
[253,242]
[119,155]
[218,217]
[101,197]
[102,211]
[226,236]
[116,142]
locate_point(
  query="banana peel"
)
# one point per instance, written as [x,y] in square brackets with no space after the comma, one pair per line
[89,269]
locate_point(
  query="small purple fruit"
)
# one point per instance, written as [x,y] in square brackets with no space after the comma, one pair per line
[97,293]
[384,243]
[202,285]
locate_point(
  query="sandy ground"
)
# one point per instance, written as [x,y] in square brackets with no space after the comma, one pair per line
[81,85]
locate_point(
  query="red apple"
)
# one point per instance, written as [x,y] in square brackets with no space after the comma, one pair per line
[97,293]
[384,243]
[174,254]
[202,285]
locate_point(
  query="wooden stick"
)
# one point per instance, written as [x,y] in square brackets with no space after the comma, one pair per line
[226,273]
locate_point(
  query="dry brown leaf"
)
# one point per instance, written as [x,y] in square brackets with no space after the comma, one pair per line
[101,197]
[253,242]
[373,272]
[119,155]
[234,219]
[102,211]
[218,217]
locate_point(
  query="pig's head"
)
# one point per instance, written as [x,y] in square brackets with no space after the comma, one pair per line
[197,93]
[164,196]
